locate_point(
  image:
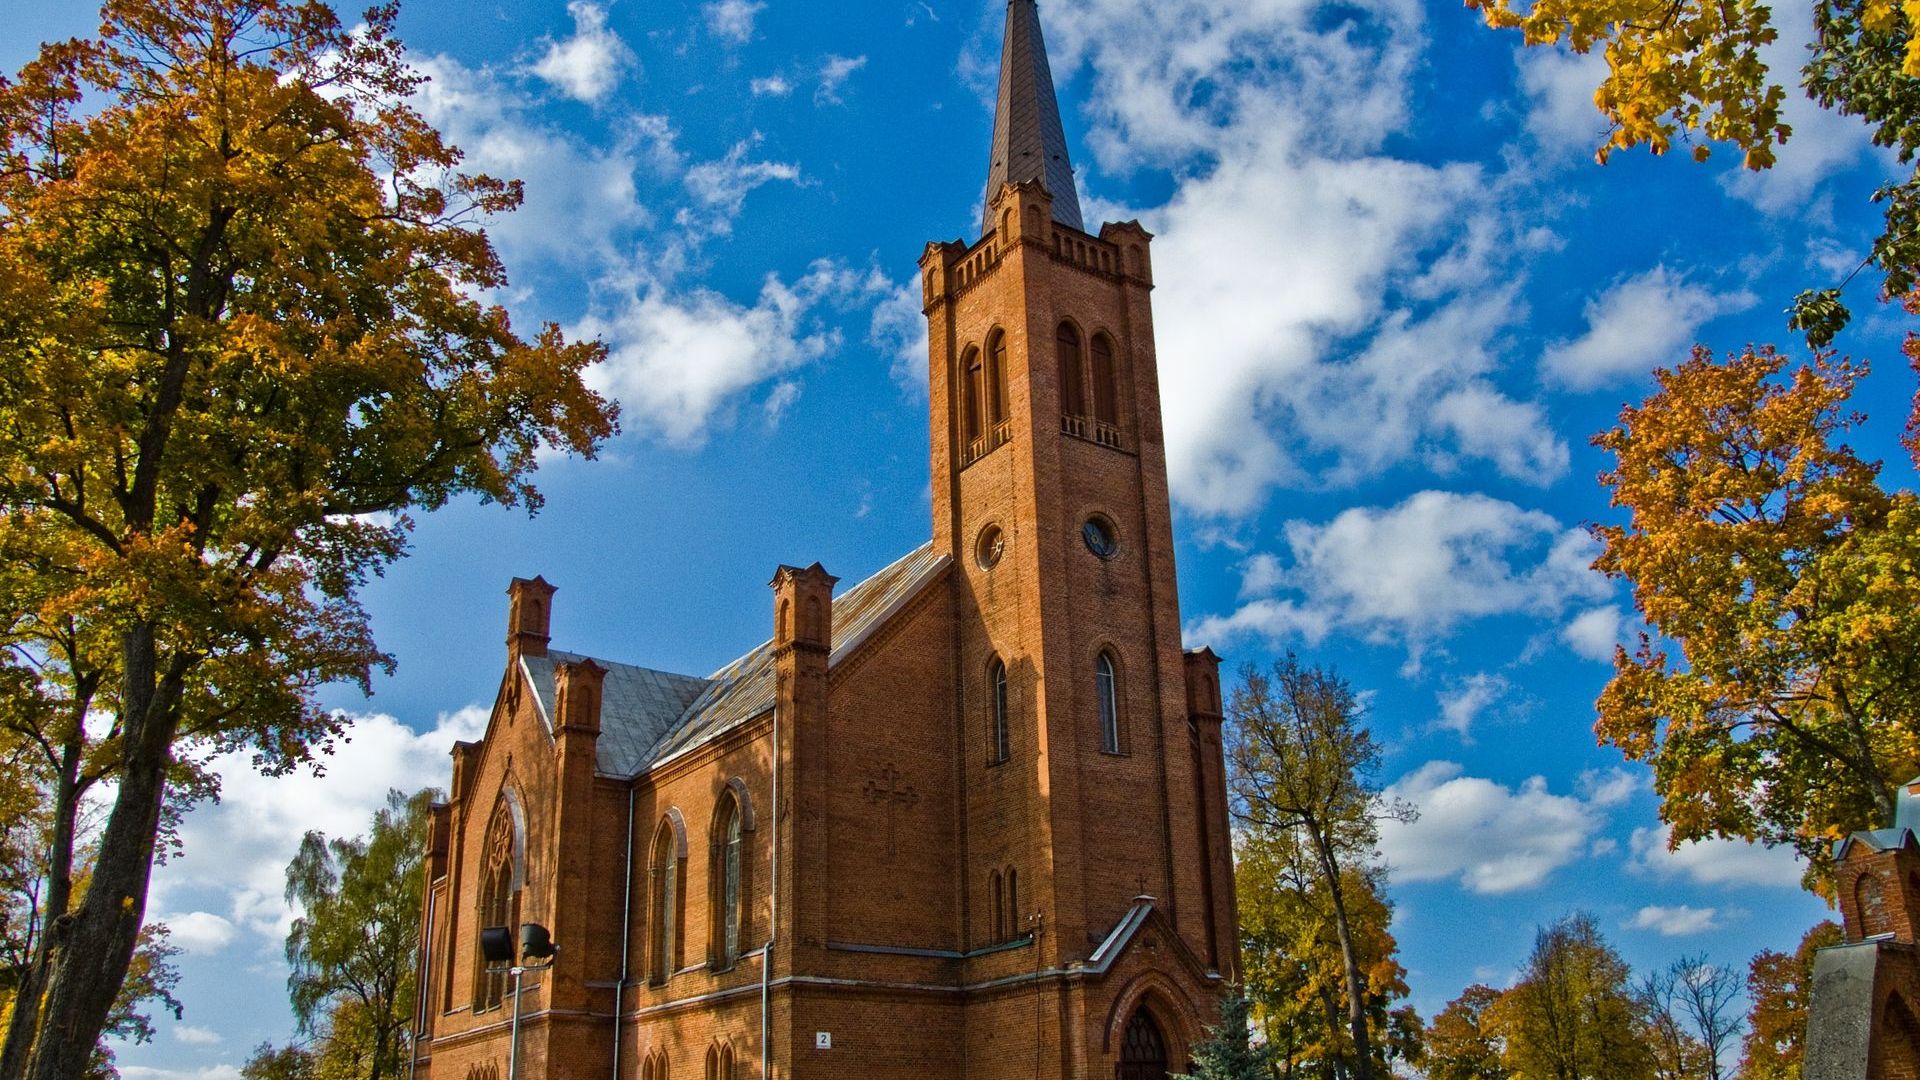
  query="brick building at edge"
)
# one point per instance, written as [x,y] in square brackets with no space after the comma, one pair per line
[966,819]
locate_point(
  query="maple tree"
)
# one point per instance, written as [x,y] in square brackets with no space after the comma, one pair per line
[1302,782]
[1686,67]
[1461,1043]
[1778,986]
[241,339]
[1765,550]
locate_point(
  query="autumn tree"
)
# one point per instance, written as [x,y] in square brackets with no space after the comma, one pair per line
[1778,986]
[1303,770]
[242,338]
[1695,67]
[352,951]
[1294,970]
[1461,1043]
[1572,1014]
[1763,549]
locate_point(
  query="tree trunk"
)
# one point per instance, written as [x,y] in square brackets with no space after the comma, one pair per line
[23,1028]
[1356,983]
[84,983]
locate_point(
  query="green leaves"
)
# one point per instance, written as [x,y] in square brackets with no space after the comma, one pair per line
[352,951]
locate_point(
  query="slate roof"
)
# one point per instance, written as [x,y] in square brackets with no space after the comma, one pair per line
[647,716]
[1028,141]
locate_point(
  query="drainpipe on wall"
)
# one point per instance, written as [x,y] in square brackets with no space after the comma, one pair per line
[626,934]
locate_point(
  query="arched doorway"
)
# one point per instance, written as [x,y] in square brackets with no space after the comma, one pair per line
[1143,1050]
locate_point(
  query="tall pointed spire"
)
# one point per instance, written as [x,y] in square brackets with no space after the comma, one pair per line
[1028,141]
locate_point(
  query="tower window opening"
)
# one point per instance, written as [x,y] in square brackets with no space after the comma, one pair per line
[1073,388]
[1106,393]
[1106,694]
[1000,741]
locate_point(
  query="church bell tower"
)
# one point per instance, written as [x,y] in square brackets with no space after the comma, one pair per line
[1091,742]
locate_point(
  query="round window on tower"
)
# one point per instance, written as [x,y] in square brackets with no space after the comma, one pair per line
[991,545]
[1099,537]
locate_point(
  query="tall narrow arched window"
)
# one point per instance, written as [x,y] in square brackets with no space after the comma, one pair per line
[727,856]
[1106,388]
[1073,388]
[997,378]
[999,912]
[970,393]
[998,673]
[500,879]
[664,940]
[1106,694]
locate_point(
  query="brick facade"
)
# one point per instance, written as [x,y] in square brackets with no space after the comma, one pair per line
[966,821]
[1864,1010]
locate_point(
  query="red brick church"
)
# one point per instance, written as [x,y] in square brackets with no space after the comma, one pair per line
[965,819]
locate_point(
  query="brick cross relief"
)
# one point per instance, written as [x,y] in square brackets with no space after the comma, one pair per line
[890,793]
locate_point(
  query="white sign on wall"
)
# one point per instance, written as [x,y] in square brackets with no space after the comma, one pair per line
[823,1040]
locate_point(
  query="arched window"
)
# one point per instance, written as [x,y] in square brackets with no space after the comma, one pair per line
[1143,1050]
[970,375]
[500,877]
[665,938]
[1106,390]
[713,1064]
[999,911]
[998,673]
[1013,903]
[1073,389]
[997,378]
[655,1066]
[727,898]
[1106,694]
[726,1061]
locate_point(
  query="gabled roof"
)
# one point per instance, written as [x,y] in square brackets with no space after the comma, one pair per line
[1906,824]
[1028,141]
[647,717]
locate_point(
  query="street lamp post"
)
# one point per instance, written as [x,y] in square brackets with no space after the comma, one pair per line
[497,946]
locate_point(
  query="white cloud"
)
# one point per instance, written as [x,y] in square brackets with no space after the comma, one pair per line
[1339,311]
[238,849]
[567,181]
[1463,703]
[732,20]
[1680,921]
[899,331]
[199,931]
[1559,88]
[196,1036]
[1595,633]
[1716,862]
[679,362]
[1646,321]
[589,65]
[208,1072]
[834,73]
[1491,838]
[771,86]
[1824,142]
[1411,573]
[721,187]
[1609,787]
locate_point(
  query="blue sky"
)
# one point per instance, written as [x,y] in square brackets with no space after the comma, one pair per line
[1396,299]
